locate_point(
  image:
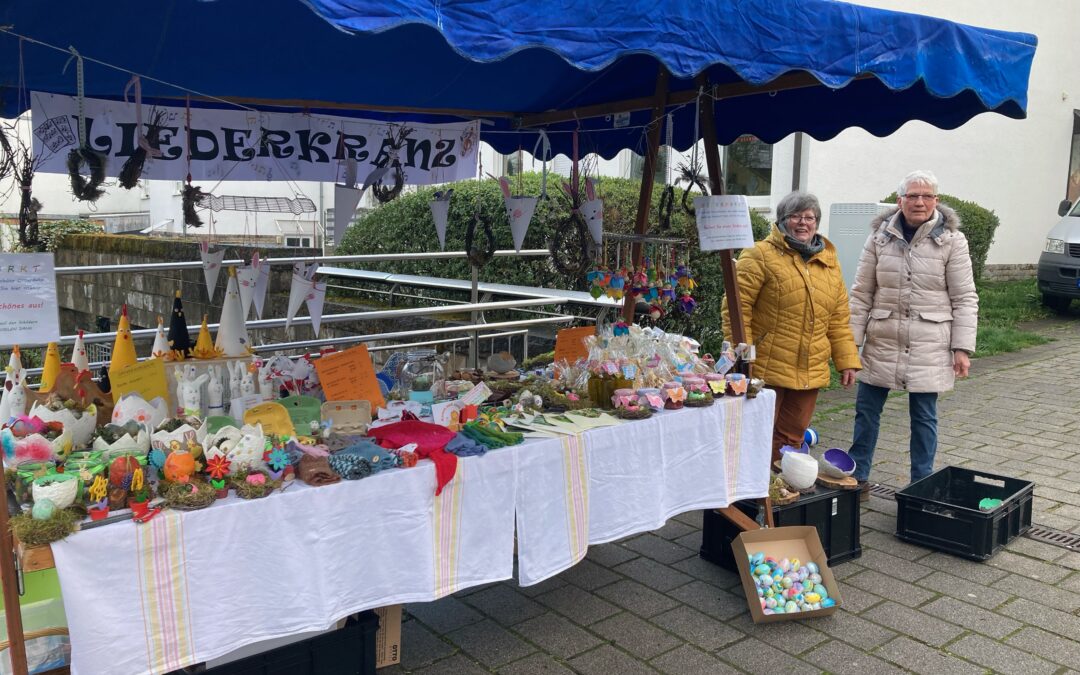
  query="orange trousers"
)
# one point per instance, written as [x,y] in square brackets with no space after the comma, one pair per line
[794,408]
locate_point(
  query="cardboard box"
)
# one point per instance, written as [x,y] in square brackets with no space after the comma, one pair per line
[388,639]
[800,542]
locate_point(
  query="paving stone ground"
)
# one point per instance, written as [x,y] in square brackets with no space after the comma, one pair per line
[649,604]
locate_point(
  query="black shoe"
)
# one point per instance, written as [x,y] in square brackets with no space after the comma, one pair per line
[864,491]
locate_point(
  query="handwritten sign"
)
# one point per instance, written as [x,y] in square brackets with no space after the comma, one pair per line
[28,307]
[146,378]
[723,222]
[570,343]
[349,376]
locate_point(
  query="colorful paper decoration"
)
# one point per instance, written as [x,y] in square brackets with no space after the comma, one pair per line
[51,366]
[519,209]
[232,337]
[211,264]
[253,280]
[123,352]
[305,289]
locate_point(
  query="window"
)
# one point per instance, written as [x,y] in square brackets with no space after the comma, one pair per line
[748,167]
[298,242]
[512,164]
[1072,191]
[637,165]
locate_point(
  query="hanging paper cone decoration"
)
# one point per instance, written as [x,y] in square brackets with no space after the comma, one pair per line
[178,336]
[123,352]
[345,200]
[245,281]
[160,350]
[315,298]
[440,213]
[520,211]
[211,264]
[593,213]
[51,367]
[232,338]
[204,345]
[78,355]
[253,280]
[298,291]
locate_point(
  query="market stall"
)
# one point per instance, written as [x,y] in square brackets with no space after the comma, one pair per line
[607,85]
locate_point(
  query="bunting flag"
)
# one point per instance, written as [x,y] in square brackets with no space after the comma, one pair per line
[211,264]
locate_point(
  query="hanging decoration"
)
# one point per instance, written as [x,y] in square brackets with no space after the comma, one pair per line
[84,189]
[211,265]
[519,209]
[396,139]
[253,280]
[572,247]
[305,290]
[148,143]
[346,196]
[592,210]
[192,195]
[232,337]
[440,213]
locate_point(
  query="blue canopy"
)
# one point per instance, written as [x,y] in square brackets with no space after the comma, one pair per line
[780,66]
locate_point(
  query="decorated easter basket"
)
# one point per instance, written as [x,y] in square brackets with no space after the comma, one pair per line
[60,488]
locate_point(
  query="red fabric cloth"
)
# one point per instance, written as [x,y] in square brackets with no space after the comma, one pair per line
[430,439]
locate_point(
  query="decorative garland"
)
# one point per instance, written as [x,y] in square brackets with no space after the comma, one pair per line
[87,190]
[572,260]
[387,194]
[192,196]
[132,169]
[667,204]
[479,257]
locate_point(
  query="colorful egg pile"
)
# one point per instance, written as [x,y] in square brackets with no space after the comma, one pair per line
[788,586]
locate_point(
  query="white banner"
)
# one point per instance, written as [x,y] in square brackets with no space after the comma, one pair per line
[723,222]
[29,313]
[242,145]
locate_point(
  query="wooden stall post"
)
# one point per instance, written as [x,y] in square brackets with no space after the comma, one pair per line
[12,611]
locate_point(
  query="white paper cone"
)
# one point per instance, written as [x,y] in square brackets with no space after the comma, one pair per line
[161,343]
[14,368]
[298,291]
[440,213]
[315,298]
[211,264]
[520,210]
[245,280]
[78,354]
[232,338]
[593,213]
[262,282]
[345,201]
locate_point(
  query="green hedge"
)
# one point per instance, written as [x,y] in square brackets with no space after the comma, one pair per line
[976,222]
[51,233]
[405,225]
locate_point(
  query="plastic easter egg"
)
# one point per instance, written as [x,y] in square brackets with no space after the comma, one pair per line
[827,602]
[770,603]
[785,565]
[769,592]
[786,582]
[769,611]
[765,580]
[761,569]
[760,592]
[44,509]
[821,590]
[757,558]
[779,609]
[816,605]
[812,597]
[790,606]
[812,566]
[815,578]
[795,563]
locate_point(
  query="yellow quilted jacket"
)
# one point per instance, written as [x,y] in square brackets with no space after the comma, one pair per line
[796,313]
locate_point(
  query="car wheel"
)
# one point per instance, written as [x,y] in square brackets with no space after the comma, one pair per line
[1057,303]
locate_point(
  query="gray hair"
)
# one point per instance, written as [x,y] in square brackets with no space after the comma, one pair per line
[918,177]
[797,202]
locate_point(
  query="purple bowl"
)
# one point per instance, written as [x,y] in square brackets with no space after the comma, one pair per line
[836,463]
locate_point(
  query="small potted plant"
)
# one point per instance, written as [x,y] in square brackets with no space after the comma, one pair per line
[98,492]
[217,468]
[139,496]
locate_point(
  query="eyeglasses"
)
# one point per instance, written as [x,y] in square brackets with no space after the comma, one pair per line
[809,220]
[924,198]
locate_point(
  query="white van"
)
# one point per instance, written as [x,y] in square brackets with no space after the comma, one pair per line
[1059,264]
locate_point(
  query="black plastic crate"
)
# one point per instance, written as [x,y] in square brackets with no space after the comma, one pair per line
[941,511]
[835,514]
[349,650]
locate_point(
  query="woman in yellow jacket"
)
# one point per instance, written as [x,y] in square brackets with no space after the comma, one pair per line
[795,307]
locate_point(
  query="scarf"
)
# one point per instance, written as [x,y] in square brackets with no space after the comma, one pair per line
[806,250]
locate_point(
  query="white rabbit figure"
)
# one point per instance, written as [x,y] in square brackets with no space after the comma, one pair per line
[247,382]
[14,400]
[178,375]
[266,380]
[190,389]
[215,392]
[236,373]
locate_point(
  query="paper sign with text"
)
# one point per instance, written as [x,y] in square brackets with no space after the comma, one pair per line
[570,344]
[146,378]
[723,222]
[349,376]
[28,308]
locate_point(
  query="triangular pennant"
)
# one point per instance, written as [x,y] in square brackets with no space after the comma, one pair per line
[520,211]
[440,213]
[345,201]
[299,289]
[593,213]
[211,264]
[314,300]
[245,281]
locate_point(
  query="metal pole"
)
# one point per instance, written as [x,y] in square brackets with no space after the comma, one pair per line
[474,298]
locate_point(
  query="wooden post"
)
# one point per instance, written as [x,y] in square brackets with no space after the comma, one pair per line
[12,611]
[641,224]
[716,187]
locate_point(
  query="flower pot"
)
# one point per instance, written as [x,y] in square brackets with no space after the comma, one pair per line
[98,513]
[138,509]
[222,493]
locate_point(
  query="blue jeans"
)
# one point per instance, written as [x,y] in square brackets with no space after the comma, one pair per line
[922,408]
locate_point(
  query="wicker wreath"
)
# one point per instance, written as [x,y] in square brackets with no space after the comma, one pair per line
[572,248]
[86,189]
[479,257]
[387,194]
[666,206]
[687,206]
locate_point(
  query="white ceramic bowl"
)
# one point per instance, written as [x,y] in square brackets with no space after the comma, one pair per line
[799,471]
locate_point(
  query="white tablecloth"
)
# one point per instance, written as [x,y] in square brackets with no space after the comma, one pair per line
[189,587]
[612,482]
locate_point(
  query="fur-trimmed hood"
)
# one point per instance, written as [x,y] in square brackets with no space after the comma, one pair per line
[950,220]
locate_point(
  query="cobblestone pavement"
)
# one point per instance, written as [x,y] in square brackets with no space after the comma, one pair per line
[649,603]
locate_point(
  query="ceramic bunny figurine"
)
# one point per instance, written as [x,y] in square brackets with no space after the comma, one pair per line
[178,375]
[247,383]
[189,387]
[215,392]
[266,380]
[14,399]
[236,373]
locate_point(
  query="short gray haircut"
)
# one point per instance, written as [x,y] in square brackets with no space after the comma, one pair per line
[918,177]
[797,202]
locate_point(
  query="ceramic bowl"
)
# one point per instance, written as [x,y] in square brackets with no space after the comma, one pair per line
[799,470]
[81,428]
[60,488]
[836,463]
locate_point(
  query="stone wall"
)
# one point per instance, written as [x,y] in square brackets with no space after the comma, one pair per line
[1009,272]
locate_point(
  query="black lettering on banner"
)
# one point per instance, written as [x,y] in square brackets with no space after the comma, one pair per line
[195,150]
[383,157]
[309,146]
[276,142]
[353,143]
[414,147]
[127,139]
[444,156]
[104,142]
[169,151]
[235,140]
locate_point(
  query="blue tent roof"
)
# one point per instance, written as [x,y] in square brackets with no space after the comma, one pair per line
[879,68]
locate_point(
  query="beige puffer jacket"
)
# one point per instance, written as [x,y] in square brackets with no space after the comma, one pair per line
[911,306]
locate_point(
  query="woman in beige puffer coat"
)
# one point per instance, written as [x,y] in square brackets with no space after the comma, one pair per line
[914,312]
